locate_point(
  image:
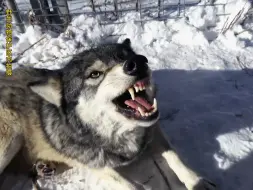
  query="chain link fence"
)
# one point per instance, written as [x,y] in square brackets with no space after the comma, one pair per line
[55,15]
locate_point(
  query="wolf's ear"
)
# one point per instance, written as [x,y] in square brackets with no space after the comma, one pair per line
[49,90]
[127,42]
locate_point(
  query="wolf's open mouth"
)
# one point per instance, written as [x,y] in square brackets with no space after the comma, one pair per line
[135,102]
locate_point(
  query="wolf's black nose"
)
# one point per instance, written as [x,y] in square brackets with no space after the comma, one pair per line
[136,66]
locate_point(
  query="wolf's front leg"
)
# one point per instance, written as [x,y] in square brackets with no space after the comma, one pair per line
[163,151]
[107,179]
[191,180]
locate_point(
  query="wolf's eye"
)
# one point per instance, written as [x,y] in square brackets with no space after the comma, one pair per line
[95,74]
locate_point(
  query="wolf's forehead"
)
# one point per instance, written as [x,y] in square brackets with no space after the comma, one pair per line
[103,57]
[109,56]
[99,65]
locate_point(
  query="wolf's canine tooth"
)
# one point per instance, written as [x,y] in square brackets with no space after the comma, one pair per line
[136,88]
[154,105]
[131,91]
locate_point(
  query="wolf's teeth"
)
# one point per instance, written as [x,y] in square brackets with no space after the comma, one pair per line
[154,105]
[142,87]
[131,91]
[136,88]
[141,111]
[146,114]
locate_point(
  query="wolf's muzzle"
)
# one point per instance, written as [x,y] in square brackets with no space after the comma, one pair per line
[136,66]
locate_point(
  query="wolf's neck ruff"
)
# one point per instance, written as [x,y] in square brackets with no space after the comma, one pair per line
[84,144]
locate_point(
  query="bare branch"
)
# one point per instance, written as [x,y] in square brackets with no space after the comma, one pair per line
[20,54]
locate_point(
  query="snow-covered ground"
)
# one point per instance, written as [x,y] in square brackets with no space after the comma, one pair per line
[204,78]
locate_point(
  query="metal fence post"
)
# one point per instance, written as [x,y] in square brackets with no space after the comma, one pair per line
[115,3]
[11,4]
[60,17]
[137,5]
[159,8]
[93,6]
[62,10]
[37,9]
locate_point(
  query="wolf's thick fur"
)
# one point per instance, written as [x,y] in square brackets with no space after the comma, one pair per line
[66,116]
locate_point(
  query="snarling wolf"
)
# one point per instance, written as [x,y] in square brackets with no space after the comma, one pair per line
[97,112]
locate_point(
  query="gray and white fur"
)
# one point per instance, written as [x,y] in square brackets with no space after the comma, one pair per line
[68,116]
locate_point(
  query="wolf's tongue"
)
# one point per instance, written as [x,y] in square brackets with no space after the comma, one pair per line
[138,102]
[132,104]
[143,102]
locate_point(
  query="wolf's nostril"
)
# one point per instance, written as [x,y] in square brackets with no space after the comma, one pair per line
[137,65]
[130,67]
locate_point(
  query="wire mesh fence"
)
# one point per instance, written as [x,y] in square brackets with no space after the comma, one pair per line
[56,14]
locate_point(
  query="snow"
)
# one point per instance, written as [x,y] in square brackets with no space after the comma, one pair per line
[204,79]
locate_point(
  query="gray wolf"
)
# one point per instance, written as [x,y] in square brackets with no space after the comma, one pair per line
[97,112]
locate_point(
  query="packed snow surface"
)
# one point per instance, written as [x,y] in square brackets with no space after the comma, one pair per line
[204,79]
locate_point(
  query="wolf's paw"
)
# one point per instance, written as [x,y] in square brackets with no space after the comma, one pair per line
[204,184]
[44,169]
